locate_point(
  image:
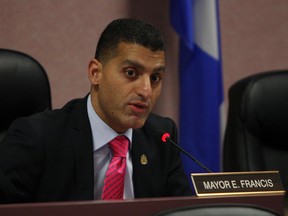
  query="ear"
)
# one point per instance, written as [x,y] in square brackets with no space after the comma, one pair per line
[94,71]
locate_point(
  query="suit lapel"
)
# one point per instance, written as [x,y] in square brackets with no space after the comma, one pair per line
[142,162]
[83,149]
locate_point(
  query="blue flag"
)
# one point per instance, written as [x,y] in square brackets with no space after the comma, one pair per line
[200,75]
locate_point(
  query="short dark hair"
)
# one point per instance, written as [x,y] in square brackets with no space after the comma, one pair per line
[128,30]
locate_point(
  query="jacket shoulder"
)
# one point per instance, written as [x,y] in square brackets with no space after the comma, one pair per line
[160,123]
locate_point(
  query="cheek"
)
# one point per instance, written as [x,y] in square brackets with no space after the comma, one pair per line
[156,95]
[112,94]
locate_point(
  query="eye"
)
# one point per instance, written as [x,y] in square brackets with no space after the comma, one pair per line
[155,78]
[130,73]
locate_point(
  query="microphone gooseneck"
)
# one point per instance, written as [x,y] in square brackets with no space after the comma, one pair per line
[166,137]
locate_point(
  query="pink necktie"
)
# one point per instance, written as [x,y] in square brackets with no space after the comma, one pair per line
[115,175]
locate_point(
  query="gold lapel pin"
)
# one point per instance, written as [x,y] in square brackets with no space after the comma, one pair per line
[143,159]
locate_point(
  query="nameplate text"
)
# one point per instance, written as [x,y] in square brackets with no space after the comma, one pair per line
[231,183]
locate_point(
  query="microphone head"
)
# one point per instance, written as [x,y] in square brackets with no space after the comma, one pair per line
[165,136]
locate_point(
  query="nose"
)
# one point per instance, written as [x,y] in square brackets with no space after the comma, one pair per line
[144,88]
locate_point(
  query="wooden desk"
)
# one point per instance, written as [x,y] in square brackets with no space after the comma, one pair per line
[139,207]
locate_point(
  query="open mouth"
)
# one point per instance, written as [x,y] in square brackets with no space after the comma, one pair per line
[139,108]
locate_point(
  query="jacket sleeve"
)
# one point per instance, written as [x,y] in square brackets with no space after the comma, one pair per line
[20,156]
[178,182]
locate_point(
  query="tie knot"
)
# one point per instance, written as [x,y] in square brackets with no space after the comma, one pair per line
[119,146]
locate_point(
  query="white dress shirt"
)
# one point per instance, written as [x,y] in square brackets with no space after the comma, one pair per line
[102,134]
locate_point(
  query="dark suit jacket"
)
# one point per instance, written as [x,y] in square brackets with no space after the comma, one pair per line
[49,157]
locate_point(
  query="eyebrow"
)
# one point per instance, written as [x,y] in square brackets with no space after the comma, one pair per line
[133,63]
[140,66]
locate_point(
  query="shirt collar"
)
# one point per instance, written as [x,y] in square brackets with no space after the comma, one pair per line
[101,132]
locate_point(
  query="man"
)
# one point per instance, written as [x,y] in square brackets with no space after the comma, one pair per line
[65,154]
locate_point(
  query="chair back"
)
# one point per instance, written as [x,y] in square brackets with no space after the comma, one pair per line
[220,209]
[256,136]
[24,87]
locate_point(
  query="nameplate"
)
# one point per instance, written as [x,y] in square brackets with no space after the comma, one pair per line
[236,183]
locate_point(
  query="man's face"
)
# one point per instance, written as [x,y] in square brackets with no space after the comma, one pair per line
[127,87]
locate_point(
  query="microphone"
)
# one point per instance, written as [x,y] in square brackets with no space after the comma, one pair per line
[166,137]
